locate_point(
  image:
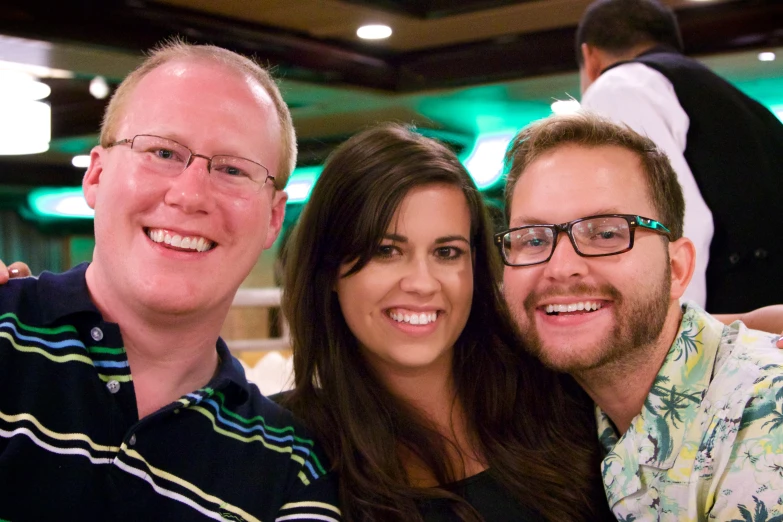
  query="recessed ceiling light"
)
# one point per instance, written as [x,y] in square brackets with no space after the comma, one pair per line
[767,56]
[374,32]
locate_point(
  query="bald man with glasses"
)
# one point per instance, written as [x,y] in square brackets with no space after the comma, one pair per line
[118,399]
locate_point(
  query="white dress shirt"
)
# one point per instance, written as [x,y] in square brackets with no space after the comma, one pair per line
[644,99]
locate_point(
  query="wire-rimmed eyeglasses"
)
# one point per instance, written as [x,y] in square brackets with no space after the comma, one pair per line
[164,156]
[592,236]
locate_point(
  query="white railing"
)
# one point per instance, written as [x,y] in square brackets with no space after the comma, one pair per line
[267,298]
[273,372]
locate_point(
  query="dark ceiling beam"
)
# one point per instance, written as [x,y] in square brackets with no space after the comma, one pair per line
[508,58]
[136,26]
[75,112]
[710,29]
[30,174]
[433,9]
[733,26]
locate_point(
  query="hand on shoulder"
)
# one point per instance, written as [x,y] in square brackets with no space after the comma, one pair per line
[17,269]
[768,319]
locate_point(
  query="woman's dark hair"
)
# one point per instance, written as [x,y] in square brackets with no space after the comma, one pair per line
[535,431]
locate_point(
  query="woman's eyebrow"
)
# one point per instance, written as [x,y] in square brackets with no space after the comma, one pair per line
[396,237]
[449,239]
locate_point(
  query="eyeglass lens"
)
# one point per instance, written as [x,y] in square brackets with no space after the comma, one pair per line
[228,173]
[595,236]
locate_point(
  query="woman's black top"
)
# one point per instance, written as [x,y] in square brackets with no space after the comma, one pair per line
[486,495]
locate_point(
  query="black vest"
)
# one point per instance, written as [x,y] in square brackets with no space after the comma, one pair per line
[735,151]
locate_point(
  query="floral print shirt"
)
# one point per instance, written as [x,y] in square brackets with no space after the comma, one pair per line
[708,444]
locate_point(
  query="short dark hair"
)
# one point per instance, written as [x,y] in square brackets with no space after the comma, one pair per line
[619,25]
[590,130]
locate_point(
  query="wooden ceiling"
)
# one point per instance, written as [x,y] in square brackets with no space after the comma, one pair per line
[501,51]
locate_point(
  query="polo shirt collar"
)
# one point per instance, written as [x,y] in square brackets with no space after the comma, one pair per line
[230,377]
[72,295]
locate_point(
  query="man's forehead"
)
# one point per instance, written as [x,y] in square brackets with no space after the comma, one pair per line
[523,218]
[573,181]
[182,91]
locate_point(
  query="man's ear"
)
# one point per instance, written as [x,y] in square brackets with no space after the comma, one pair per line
[276,217]
[593,63]
[682,260]
[92,177]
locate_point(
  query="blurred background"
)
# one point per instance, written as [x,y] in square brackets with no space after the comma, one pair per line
[469,72]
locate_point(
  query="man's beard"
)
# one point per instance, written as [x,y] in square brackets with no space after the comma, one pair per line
[638,322]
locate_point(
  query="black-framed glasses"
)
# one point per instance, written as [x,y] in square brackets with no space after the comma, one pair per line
[229,174]
[592,236]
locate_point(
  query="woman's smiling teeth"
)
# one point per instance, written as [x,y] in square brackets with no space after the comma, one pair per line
[588,306]
[412,317]
[198,244]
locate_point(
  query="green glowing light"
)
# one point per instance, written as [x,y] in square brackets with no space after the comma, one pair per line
[301,183]
[485,161]
[59,202]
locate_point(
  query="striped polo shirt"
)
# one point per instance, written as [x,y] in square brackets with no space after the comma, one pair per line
[73,448]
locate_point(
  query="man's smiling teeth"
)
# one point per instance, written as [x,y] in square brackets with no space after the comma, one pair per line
[413,318]
[573,307]
[199,244]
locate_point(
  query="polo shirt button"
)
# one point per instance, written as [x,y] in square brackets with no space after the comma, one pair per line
[96,334]
[734,258]
[132,440]
[760,253]
[113,386]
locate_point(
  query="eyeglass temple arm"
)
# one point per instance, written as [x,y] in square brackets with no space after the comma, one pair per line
[652,225]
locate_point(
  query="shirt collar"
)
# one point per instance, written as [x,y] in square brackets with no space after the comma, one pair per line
[72,294]
[73,297]
[656,435]
[230,377]
[662,48]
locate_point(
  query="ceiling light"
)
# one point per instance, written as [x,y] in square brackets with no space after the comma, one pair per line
[566,106]
[39,71]
[99,88]
[25,123]
[82,161]
[20,85]
[767,56]
[25,127]
[374,32]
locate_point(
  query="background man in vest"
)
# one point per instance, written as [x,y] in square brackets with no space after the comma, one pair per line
[726,148]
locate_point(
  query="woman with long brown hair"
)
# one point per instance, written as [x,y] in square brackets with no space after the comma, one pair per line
[407,364]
